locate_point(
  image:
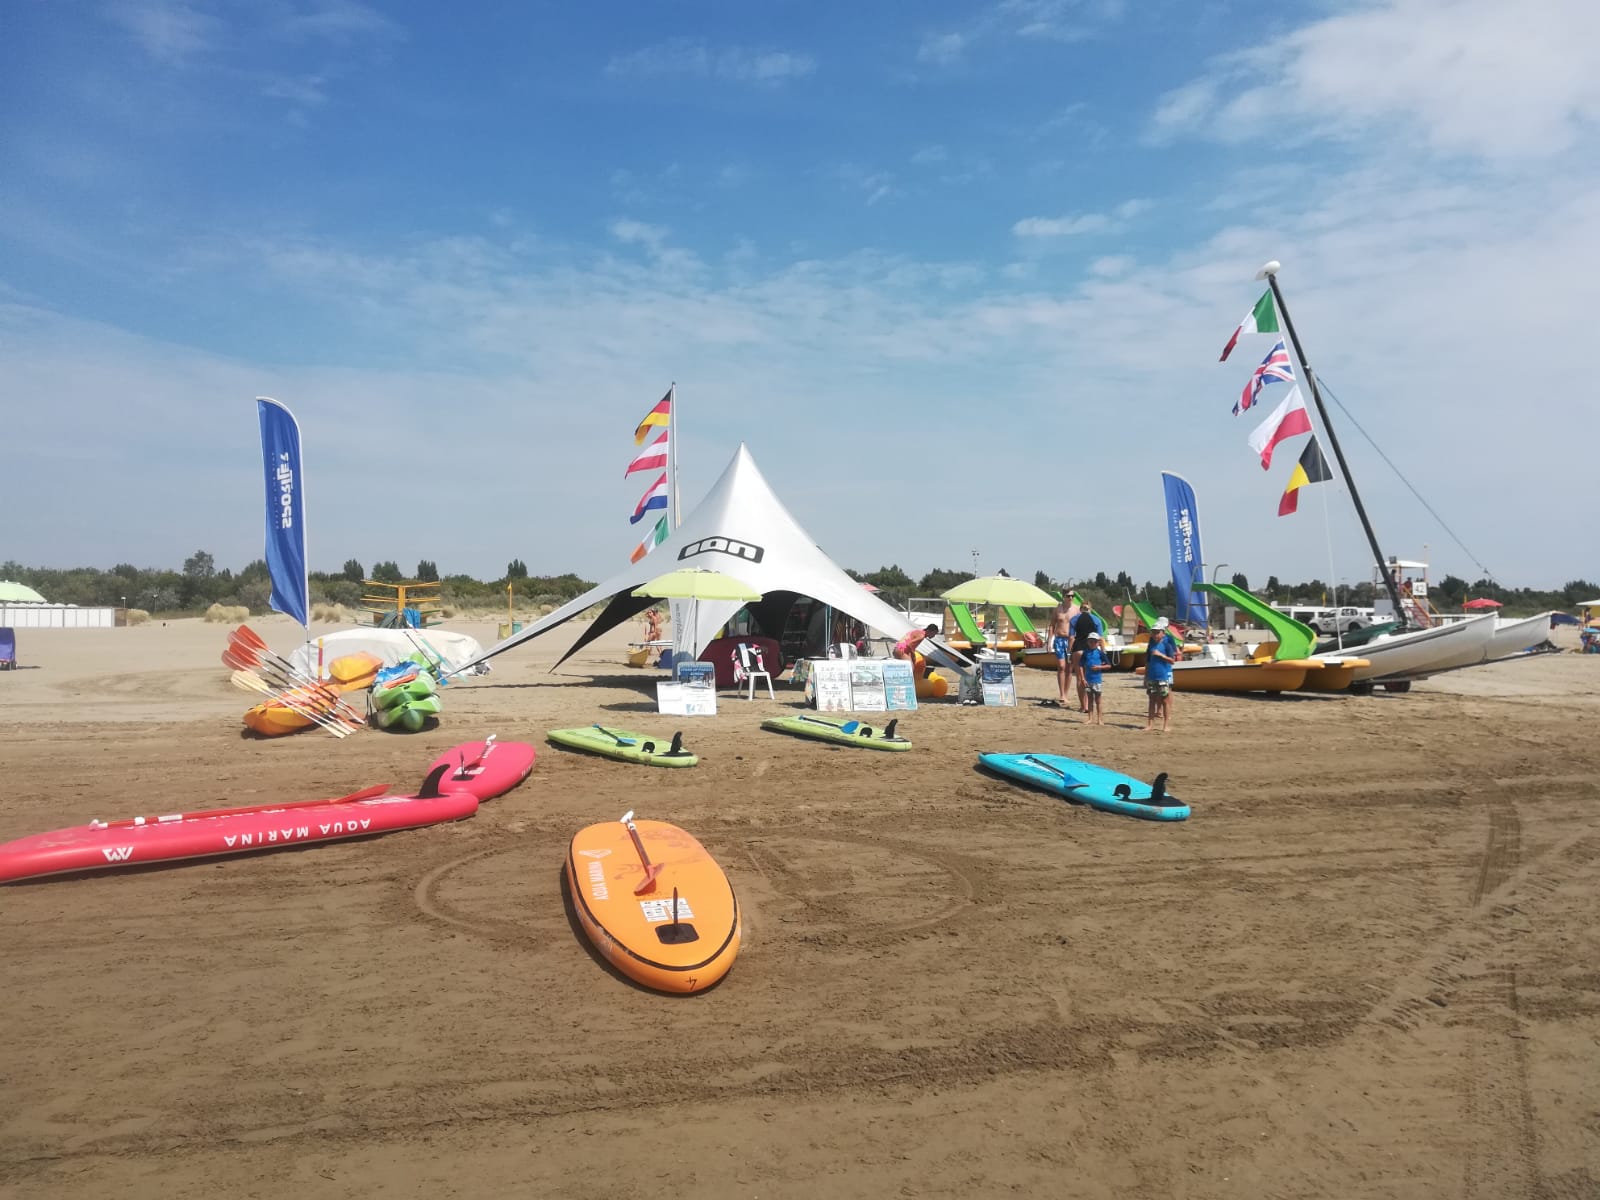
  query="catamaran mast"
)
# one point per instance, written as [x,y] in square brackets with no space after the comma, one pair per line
[1270,274]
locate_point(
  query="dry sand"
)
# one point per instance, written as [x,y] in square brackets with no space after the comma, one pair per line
[1365,967]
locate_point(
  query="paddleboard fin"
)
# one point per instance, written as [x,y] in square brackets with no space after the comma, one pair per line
[1158,791]
[889,730]
[677,744]
[430,785]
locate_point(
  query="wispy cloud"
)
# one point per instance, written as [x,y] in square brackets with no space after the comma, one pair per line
[694,58]
[930,155]
[170,31]
[335,21]
[1059,20]
[942,49]
[1474,77]
[1083,223]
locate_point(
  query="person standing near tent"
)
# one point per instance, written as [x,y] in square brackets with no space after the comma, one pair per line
[1061,645]
[906,647]
[652,630]
[1163,652]
[1085,623]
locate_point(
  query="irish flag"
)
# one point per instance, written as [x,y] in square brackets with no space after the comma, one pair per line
[652,539]
[1263,318]
[661,414]
[652,458]
[655,498]
[1284,422]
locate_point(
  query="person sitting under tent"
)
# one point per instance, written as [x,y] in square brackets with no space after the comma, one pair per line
[906,647]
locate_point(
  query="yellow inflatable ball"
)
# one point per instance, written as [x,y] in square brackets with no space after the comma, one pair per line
[929,685]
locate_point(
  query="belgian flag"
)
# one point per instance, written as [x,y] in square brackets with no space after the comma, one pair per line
[1312,468]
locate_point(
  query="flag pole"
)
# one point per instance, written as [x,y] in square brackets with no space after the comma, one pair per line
[1270,274]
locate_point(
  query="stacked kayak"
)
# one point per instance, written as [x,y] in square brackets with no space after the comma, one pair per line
[404,701]
[293,712]
[354,672]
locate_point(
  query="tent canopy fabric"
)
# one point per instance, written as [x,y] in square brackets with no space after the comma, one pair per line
[742,530]
[19,593]
[458,650]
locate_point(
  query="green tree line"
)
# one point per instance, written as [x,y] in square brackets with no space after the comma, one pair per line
[200,583]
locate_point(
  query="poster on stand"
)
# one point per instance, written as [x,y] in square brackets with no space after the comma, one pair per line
[686,700]
[866,685]
[999,683]
[829,686]
[899,686]
[697,674]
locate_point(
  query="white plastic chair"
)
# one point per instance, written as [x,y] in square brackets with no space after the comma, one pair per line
[754,668]
[844,650]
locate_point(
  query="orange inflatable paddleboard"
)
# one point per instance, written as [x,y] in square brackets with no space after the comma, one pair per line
[625,878]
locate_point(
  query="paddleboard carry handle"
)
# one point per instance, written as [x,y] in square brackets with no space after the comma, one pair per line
[651,870]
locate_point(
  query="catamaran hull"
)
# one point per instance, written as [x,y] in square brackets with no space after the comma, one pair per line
[1283,676]
[1512,637]
[1420,653]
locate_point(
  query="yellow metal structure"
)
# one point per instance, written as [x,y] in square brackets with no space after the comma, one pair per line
[397,597]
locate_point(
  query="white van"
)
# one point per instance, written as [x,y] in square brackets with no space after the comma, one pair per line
[1328,621]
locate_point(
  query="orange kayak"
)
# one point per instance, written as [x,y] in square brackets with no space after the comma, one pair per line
[627,909]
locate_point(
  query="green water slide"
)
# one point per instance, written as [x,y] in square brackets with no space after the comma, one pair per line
[968,626]
[1020,621]
[1295,640]
[1146,612]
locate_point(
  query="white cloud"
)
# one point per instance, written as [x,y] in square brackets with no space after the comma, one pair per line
[336,21]
[694,58]
[170,31]
[1059,20]
[1083,223]
[941,49]
[930,155]
[1475,77]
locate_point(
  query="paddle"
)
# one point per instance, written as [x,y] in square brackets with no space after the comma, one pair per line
[847,727]
[617,737]
[464,771]
[651,870]
[426,648]
[290,692]
[1067,781]
[247,655]
[254,683]
[164,818]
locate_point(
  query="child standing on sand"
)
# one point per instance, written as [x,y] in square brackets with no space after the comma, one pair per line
[1163,652]
[1094,662]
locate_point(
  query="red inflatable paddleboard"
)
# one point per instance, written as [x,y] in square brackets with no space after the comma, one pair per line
[485,769]
[173,837]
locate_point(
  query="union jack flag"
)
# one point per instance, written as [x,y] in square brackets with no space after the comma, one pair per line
[1274,368]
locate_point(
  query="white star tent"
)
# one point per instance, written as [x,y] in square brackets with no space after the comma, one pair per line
[743,530]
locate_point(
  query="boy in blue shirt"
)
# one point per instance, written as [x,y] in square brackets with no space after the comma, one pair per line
[1094,662]
[1163,652]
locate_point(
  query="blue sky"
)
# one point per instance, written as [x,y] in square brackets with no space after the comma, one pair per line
[958,274]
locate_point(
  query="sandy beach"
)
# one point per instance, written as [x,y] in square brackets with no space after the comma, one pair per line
[1366,967]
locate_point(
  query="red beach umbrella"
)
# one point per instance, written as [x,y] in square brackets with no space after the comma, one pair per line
[1482,602]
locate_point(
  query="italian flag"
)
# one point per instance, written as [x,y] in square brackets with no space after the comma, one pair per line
[1263,318]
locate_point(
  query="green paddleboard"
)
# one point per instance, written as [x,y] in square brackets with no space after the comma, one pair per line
[626,745]
[410,716]
[843,733]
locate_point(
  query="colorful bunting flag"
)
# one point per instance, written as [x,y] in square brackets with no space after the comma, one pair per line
[1263,318]
[1312,468]
[1284,422]
[661,414]
[653,539]
[653,499]
[1274,368]
[652,458]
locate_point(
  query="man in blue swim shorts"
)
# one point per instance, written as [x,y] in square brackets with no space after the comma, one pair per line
[1061,644]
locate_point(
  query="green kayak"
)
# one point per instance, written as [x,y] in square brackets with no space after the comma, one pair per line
[415,689]
[623,744]
[410,716]
[843,733]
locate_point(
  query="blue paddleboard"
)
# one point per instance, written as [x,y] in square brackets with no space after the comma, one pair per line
[1095,786]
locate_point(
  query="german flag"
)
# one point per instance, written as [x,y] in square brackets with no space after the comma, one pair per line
[660,415]
[1312,468]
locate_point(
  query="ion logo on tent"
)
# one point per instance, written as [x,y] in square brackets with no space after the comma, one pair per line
[744,550]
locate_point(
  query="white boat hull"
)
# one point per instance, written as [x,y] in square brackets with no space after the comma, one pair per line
[1418,653]
[1512,636]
